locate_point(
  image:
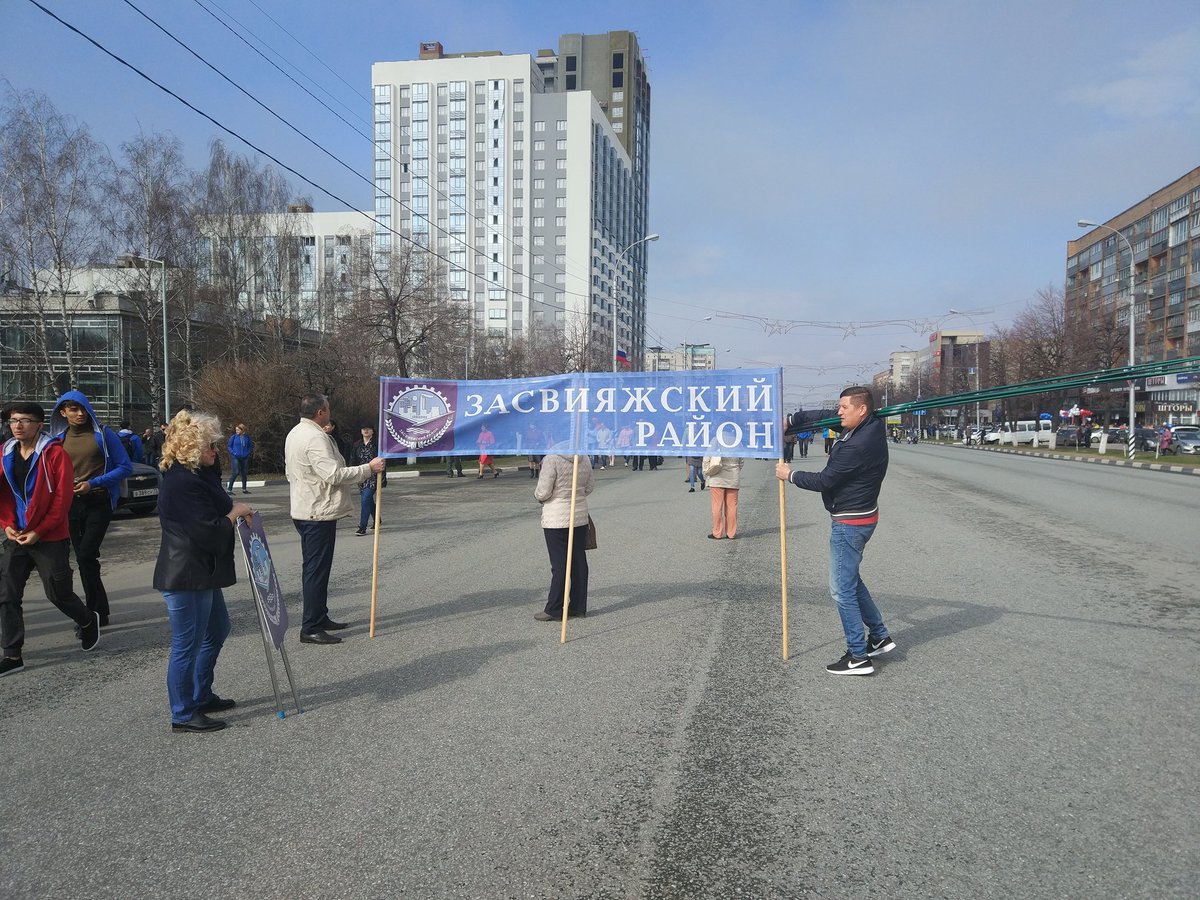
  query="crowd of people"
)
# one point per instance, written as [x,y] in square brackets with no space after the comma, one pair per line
[61,477]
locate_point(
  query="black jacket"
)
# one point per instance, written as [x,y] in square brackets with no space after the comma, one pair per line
[196,553]
[850,482]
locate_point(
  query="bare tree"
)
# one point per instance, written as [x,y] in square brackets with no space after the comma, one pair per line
[149,215]
[237,212]
[50,171]
[400,310]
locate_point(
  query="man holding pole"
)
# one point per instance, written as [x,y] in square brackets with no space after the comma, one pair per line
[319,480]
[849,486]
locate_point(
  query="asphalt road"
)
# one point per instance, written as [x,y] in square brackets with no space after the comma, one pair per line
[1034,735]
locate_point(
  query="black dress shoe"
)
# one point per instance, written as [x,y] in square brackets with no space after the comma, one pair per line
[198,722]
[578,615]
[218,704]
[319,637]
[546,617]
[330,625]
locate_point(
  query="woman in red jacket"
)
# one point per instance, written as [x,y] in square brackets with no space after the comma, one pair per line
[35,499]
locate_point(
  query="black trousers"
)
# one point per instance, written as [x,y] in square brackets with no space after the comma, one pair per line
[52,559]
[316,549]
[556,545]
[89,519]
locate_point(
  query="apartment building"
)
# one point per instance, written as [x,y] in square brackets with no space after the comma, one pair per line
[515,174]
[1162,231]
[684,358]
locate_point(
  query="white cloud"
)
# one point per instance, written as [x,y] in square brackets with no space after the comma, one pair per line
[1159,82]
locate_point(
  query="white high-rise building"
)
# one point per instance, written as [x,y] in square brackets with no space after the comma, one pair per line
[520,185]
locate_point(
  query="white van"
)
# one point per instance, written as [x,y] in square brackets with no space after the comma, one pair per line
[1022,432]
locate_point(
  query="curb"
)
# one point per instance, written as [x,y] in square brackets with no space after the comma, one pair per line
[1095,461]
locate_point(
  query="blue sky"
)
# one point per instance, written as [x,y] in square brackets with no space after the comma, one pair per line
[811,161]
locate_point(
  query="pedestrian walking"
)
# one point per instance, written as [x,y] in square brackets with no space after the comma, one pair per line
[100,464]
[486,441]
[35,504]
[695,466]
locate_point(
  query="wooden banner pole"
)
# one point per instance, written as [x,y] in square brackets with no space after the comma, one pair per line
[570,548]
[375,555]
[783,564]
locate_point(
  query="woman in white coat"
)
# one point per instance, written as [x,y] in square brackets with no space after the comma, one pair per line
[553,491]
[724,479]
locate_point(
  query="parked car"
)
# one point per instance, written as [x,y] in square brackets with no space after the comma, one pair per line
[1068,436]
[1146,439]
[1187,439]
[139,492]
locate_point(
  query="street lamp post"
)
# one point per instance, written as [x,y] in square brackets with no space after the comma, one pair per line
[1085,223]
[959,313]
[617,304]
[166,353]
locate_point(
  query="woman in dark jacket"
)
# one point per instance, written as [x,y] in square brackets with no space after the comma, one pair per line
[195,560]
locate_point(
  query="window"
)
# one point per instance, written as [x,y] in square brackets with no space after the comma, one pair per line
[560,144]
[539,165]
[618,112]
[560,202]
[496,313]
[571,63]
[518,146]
[560,164]
[571,82]
[618,96]
[539,145]
[560,221]
[539,126]
[560,183]
[618,127]
[561,124]
[539,184]
[618,79]
[539,221]
[539,202]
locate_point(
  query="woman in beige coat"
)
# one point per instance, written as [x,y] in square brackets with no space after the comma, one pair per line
[723,486]
[553,491]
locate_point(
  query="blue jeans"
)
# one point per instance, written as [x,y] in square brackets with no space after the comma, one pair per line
[366,505]
[695,472]
[239,467]
[199,626]
[854,603]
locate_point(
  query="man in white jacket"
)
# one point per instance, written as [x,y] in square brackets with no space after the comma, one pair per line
[319,480]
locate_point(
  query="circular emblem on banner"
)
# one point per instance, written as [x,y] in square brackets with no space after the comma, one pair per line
[418,416]
[260,571]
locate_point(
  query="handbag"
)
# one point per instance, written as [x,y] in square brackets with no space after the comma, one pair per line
[590,544]
[713,467]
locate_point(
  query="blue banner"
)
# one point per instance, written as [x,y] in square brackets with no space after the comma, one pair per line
[735,412]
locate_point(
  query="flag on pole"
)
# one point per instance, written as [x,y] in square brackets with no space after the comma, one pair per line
[622,359]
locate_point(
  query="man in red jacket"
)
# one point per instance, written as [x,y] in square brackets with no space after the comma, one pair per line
[35,497]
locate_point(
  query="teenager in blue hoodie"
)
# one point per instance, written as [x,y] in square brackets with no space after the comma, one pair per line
[100,464]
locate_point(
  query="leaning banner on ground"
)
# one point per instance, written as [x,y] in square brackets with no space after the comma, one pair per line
[734,412]
[263,577]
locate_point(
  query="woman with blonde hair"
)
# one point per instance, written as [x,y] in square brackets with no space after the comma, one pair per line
[195,561]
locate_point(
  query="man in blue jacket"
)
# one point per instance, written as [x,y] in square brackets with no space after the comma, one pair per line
[100,464]
[849,486]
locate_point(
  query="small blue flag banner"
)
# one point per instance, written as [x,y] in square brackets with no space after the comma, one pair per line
[735,412]
[263,577]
